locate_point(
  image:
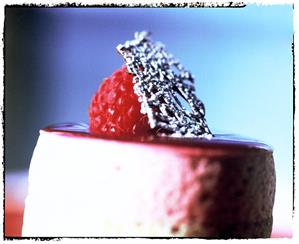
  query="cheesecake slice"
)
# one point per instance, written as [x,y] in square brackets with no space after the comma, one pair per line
[81,185]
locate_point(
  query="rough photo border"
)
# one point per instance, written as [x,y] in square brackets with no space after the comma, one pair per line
[133,4]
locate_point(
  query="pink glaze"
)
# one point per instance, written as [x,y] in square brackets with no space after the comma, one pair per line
[222,140]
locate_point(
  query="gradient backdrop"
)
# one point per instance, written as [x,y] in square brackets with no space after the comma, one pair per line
[55,59]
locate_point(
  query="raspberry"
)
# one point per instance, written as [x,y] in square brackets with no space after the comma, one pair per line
[115,109]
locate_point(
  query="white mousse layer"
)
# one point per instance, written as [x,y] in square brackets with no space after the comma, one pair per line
[81,186]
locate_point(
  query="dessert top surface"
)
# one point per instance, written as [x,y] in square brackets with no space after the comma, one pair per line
[220,140]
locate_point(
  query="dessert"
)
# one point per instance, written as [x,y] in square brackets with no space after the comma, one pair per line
[147,166]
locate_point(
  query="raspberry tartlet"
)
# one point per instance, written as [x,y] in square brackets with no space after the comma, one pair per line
[147,165]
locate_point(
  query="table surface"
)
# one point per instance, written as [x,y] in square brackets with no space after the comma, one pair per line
[15,193]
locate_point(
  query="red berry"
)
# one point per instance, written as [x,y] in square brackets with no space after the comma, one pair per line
[115,110]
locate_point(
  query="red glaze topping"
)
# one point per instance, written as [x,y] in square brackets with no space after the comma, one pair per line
[218,140]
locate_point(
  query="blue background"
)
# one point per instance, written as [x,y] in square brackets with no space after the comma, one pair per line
[55,59]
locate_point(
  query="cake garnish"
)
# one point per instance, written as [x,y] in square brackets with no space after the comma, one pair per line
[161,83]
[148,95]
[115,109]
